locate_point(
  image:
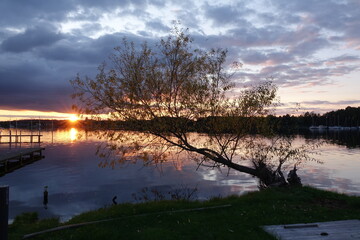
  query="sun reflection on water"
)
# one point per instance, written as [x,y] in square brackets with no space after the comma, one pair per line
[73,134]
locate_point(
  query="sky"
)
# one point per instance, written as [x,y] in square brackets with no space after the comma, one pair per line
[310,48]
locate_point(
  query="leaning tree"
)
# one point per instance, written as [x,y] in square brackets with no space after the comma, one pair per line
[167,91]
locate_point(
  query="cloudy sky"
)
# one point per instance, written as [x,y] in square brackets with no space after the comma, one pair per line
[310,47]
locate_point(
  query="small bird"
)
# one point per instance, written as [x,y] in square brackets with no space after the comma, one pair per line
[114,200]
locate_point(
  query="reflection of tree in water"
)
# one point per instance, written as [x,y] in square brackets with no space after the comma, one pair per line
[350,139]
[182,192]
[271,158]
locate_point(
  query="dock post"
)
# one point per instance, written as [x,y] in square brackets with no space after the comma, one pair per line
[39,131]
[4,212]
[31,133]
[52,131]
[16,133]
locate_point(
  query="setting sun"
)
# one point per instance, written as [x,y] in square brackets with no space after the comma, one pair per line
[73,118]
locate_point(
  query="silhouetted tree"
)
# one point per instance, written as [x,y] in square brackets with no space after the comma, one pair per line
[163,90]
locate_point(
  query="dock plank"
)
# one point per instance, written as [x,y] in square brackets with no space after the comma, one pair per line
[18,153]
[20,138]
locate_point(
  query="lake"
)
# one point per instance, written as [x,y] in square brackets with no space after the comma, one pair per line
[77,184]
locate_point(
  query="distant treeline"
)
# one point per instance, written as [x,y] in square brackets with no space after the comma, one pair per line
[349,117]
[36,124]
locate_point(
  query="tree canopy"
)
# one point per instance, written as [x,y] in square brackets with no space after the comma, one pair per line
[166,87]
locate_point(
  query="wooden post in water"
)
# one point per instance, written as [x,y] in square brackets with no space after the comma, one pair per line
[31,133]
[16,133]
[10,138]
[4,212]
[52,131]
[39,132]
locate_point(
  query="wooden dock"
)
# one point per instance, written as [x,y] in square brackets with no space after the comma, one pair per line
[17,158]
[20,138]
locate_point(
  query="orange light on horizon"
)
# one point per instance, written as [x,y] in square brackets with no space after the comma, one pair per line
[8,115]
[73,118]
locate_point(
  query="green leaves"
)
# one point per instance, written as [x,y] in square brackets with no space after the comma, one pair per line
[164,89]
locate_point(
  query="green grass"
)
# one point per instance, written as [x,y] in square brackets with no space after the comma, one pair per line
[243,220]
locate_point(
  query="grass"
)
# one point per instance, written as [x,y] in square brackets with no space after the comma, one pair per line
[243,220]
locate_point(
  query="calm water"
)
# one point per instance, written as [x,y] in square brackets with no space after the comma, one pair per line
[76,183]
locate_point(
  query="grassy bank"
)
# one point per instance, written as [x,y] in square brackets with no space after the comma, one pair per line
[242,220]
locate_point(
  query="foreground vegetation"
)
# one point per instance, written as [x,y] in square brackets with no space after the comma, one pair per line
[242,220]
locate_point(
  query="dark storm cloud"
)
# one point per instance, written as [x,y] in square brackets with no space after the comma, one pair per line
[227,14]
[28,84]
[264,57]
[157,25]
[31,38]
[81,50]
[27,89]
[330,14]
[339,16]
[278,19]
[306,48]
[188,18]
[22,13]
[12,80]
[342,60]
[300,73]
[55,99]
[87,29]
[108,3]
[38,60]
[282,39]
[296,41]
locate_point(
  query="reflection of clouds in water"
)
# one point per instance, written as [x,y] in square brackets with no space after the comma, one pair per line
[234,182]
[62,205]
[76,184]
[338,172]
[18,207]
[210,175]
[322,178]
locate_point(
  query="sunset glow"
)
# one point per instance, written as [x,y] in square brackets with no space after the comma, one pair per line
[7,115]
[73,118]
[109,106]
[314,62]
